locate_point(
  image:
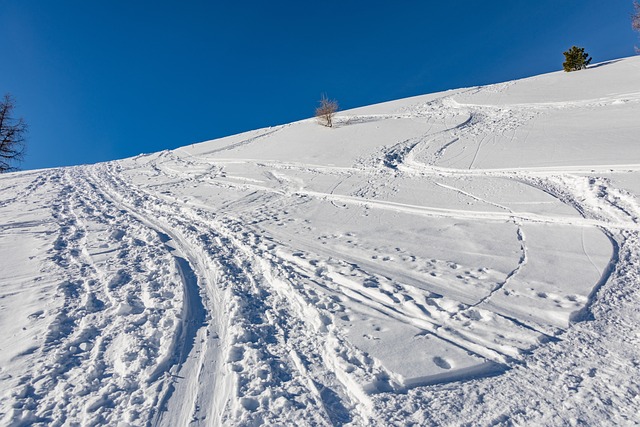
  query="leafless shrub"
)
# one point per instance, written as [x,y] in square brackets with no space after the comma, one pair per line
[326,110]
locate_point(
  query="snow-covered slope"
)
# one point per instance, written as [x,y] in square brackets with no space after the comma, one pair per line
[467,257]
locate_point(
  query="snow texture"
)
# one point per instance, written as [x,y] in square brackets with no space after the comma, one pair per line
[470,257]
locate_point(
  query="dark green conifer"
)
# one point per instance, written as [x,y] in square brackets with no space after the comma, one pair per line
[576,59]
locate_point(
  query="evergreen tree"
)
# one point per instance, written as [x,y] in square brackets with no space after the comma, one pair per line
[576,59]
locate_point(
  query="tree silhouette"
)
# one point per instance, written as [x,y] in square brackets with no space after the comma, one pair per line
[12,141]
[635,19]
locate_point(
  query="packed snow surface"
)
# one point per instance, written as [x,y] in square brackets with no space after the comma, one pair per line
[467,257]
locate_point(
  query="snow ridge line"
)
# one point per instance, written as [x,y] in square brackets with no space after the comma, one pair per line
[247,141]
[560,105]
[465,214]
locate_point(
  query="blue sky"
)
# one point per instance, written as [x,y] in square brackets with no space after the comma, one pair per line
[104,80]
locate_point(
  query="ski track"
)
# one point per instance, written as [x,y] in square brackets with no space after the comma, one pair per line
[177,313]
[252,302]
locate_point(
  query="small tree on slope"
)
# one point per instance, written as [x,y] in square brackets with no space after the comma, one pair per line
[326,111]
[11,135]
[576,59]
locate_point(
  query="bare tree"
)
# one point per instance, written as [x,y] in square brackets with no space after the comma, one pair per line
[635,19]
[12,141]
[326,111]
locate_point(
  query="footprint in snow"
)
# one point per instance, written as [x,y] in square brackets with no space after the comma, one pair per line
[441,362]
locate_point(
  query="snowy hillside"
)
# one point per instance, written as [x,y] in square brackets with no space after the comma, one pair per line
[469,256]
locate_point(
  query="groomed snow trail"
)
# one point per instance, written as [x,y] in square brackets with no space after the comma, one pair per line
[410,266]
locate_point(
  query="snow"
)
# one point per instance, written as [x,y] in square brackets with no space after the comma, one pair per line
[468,257]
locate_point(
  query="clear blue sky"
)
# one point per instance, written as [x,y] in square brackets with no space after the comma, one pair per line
[102,80]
